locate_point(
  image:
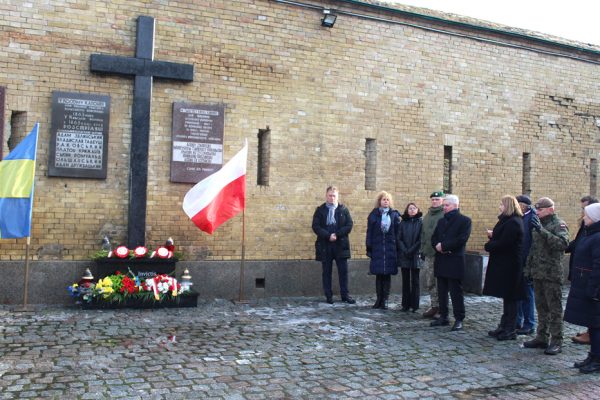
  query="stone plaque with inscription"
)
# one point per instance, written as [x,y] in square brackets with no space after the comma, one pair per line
[197,141]
[79,135]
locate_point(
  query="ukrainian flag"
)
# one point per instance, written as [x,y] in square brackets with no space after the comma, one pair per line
[17,172]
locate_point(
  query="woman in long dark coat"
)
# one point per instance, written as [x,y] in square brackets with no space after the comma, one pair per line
[382,231]
[583,303]
[409,260]
[504,276]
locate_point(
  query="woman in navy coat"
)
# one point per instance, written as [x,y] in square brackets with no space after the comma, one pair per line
[382,234]
[583,303]
[504,276]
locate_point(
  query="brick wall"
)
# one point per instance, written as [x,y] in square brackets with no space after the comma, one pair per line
[322,92]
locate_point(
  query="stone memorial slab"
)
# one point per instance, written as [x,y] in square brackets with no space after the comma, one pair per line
[197,147]
[79,135]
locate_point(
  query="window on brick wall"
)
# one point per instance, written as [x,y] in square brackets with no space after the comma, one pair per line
[447,169]
[264,157]
[526,178]
[370,164]
[593,177]
[18,129]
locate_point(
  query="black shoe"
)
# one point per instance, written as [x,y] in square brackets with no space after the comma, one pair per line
[329,300]
[405,309]
[553,349]
[580,364]
[593,366]
[440,322]
[507,336]
[384,305]
[348,300]
[535,344]
[414,310]
[525,331]
[495,332]
[458,326]
[377,304]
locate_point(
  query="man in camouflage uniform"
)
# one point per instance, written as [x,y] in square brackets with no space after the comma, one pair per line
[549,239]
[435,213]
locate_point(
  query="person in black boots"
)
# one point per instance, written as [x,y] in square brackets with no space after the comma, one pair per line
[383,225]
[583,303]
[449,240]
[409,257]
[504,276]
[332,223]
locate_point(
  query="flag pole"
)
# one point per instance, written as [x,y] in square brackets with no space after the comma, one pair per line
[241,299]
[26,283]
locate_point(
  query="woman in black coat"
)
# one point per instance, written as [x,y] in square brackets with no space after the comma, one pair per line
[504,276]
[583,303]
[382,231]
[409,260]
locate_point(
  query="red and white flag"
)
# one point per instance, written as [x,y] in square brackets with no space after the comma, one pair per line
[220,196]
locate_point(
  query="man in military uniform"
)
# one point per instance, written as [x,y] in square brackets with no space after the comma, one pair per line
[550,238]
[435,213]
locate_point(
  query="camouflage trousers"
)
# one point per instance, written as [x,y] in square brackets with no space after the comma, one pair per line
[548,303]
[430,281]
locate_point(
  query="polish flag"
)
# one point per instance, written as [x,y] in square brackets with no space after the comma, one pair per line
[220,196]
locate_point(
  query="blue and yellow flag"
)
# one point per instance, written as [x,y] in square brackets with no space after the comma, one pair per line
[17,172]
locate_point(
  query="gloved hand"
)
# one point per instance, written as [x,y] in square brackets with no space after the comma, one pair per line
[536,224]
[422,256]
[369,251]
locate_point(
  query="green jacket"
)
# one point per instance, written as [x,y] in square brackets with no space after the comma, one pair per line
[429,223]
[547,249]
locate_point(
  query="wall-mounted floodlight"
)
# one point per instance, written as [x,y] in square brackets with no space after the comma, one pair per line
[328,18]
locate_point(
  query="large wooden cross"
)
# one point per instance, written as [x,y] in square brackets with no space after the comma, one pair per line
[143,68]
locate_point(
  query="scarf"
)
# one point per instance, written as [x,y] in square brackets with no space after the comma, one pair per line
[385,219]
[331,215]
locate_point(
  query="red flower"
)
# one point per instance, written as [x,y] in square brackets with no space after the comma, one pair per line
[128,285]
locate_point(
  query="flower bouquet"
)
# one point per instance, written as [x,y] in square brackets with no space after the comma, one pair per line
[128,290]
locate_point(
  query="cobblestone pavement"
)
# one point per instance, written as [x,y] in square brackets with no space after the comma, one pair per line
[298,348]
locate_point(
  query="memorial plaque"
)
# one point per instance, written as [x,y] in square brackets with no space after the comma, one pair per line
[79,135]
[197,149]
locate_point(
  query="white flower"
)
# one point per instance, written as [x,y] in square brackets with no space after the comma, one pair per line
[163,287]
